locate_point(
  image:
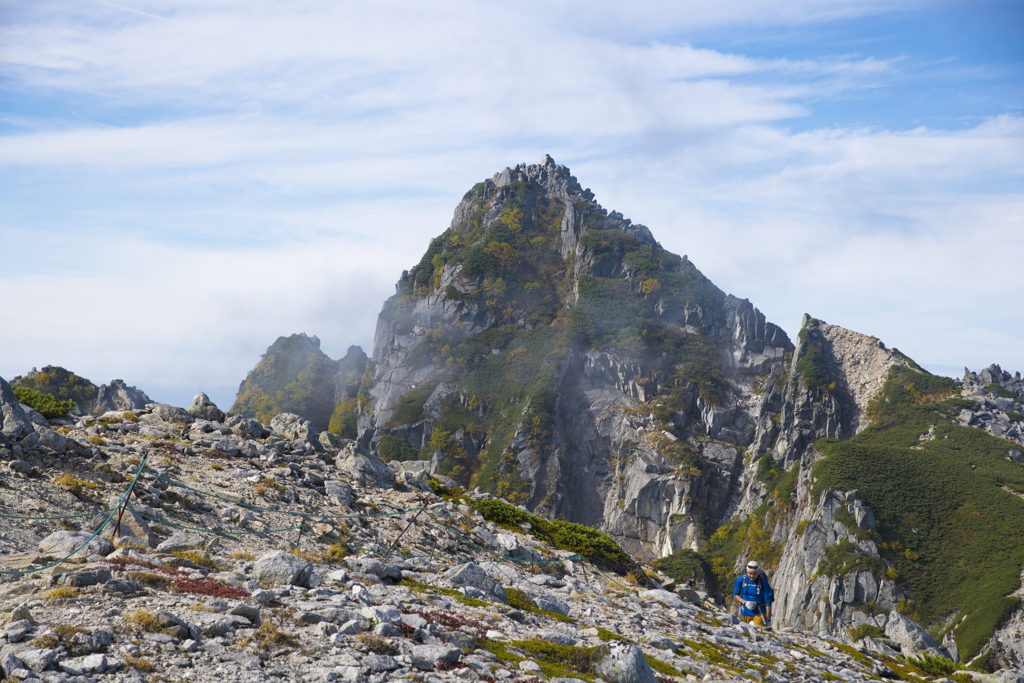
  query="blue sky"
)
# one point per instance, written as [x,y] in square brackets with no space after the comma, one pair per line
[181,183]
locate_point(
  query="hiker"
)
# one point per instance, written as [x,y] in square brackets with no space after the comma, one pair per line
[755,595]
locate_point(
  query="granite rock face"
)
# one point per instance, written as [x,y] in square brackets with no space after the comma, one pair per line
[15,422]
[63,542]
[119,396]
[601,465]
[282,569]
[204,408]
[363,469]
[624,663]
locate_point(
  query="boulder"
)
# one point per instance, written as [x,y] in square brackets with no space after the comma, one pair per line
[664,597]
[133,524]
[250,612]
[330,442]
[63,542]
[279,568]
[170,413]
[10,663]
[437,653]
[364,470]
[473,576]
[378,663]
[36,659]
[293,427]
[83,579]
[204,408]
[550,603]
[620,662]
[339,492]
[910,635]
[49,438]
[369,565]
[13,422]
[250,428]
[183,540]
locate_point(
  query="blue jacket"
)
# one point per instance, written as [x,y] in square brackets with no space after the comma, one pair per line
[759,591]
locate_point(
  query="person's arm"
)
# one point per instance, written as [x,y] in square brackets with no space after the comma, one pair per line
[736,591]
[769,598]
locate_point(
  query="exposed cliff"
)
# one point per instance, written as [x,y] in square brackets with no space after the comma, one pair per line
[862,433]
[549,350]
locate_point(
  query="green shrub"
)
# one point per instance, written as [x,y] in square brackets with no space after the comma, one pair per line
[949,531]
[519,600]
[811,368]
[1014,416]
[868,631]
[1001,391]
[934,665]
[409,408]
[594,545]
[910,361]
[556,661]
[686,565]
[60,383]
[344,422]
[44,404]
[392,448]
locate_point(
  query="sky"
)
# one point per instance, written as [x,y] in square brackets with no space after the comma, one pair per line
[183,182]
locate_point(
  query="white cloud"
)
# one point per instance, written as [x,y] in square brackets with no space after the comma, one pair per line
[255,169]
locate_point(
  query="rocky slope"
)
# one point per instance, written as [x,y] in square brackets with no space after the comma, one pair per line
[261,552]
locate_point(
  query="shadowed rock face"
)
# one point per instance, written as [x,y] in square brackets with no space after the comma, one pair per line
[295,376]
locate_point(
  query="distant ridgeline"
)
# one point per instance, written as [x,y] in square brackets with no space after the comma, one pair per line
[55,391]
[295,376]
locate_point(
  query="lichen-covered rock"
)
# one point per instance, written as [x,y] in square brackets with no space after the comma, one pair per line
[204,408]
[362,469]
[63,542]
[473,576]
[13,422]
[279,568]
[623,663]
[913,639]
[293,427]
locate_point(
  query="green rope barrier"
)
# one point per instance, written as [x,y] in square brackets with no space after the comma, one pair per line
[83,514]
[142,466]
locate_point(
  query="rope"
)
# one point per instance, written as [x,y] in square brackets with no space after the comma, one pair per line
[8,572]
